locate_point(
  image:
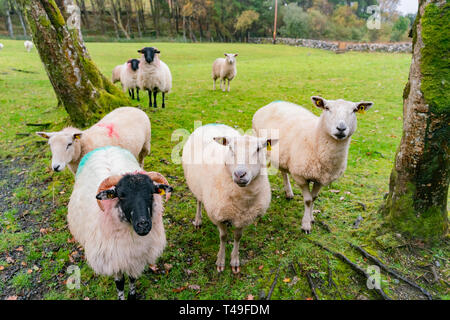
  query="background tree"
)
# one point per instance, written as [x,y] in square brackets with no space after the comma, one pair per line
[80,87]
[296,22]
[245,21]
[418,189]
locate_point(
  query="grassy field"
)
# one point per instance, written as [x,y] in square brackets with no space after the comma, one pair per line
[35,250]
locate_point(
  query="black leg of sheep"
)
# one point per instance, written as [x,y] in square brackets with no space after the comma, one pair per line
[163,103]
[132,289]
[120,286]
[155,92]
[149,98]
[137,94]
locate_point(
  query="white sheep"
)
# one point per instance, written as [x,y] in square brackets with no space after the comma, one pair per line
[28,45]
[153,75]
[115,213]
[116,73]
[1,46]
[224,69]
[312,149]
[126,127]
[226,173]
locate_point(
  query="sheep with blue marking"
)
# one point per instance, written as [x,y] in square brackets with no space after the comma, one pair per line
[115,212]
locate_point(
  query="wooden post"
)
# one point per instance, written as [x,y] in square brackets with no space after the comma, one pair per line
[275,23]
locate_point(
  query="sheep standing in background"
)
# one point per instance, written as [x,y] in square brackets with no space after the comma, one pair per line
[1,46]
[153,75]
[28,45]
[128,77]
[312,149]
[115,213]
[224,69]
[223,171]
[116,73]
[126,127]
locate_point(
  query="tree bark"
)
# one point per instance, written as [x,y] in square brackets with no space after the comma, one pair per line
[80,87]
[418,190]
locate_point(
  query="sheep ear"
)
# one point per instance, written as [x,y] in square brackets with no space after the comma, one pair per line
[363,106]
[157,51]
[77,136]
[235,54]
[45,135]
[268,143]
[140,51]
[162,189]
[225,54]
[107,194]
[222,140]
[318,101]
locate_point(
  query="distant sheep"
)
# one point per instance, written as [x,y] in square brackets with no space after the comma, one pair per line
[312,149]
[224,69]
[226,173]
[1,46]
[28,45]
[153,75]
[126,127]
[128,77]
[116,73]
[115,212]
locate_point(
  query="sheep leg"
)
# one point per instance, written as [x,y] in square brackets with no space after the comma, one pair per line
[129,92]
[228,85]
[224,85]
[198,216]
[137,94]
[220,263]
[235,265]
[287,185]
[154,98]
[314,193]
[132,94]
[132,289]
[120,286]
[307,199]
[214,84]
[163,97]
[149,98]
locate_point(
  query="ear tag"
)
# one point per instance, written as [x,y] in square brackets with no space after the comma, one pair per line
[269,146]
[77,137]
[362,111]
[161,191]
[110,196]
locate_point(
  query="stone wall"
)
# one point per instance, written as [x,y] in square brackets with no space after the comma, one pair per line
[341,45]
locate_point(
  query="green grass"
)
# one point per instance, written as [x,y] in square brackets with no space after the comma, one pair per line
[265,73]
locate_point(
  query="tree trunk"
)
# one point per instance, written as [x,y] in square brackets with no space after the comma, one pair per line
[117,20]
[22,23]
[418,190]
[8,19]
[80,87]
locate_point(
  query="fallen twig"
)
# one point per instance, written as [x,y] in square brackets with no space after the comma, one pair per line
[324,225]
[38,124]
[274,283]
[330,279]
[353,266]
[390,271]
[311,285]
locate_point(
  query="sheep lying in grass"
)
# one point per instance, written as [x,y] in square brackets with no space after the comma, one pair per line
[28,45]
[115,213]
[312,149]
[224,69]
[127,75]
[153,75]
[126,127]
[223,171]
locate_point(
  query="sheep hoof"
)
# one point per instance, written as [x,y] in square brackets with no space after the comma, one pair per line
[220,268]
[236,270]
[131,297]
[289,197]
[197,225]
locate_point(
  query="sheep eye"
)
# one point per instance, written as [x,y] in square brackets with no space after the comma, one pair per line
[326,108]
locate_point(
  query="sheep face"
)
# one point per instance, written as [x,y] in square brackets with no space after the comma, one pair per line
[149,53]
[244,157]
[133,198]
[65,147]
[133,64]
[339,116]
[230,57]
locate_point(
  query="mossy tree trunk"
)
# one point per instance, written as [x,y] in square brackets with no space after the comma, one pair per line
[417,201]
[80,87]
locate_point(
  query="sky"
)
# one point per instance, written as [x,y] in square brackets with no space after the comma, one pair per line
[408,6]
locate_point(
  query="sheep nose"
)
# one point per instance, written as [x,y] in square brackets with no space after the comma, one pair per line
[56,168]
[341,127]
[143,225]
[240,174]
